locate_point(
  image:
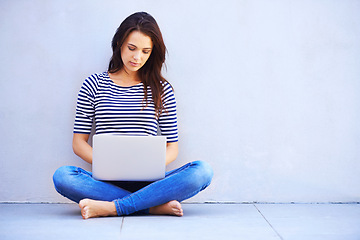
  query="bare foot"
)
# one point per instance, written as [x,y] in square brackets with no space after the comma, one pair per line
[170,208]
[93,208]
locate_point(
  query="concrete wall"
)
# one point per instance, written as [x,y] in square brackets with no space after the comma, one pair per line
[268,92]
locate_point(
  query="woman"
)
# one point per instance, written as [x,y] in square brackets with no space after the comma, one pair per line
[132,97]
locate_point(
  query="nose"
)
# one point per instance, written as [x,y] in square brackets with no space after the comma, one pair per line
[137,56]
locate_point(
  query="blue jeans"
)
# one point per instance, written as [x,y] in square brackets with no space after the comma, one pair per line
[134,197]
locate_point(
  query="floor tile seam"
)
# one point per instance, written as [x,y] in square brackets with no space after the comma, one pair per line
[272,227]
[122,225]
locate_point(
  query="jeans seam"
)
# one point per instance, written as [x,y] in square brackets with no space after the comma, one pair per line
[118,208]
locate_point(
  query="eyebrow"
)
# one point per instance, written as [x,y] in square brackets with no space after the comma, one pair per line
[136,46]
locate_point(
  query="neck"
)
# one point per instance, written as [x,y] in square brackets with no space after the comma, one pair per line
[125,78]
[132,76]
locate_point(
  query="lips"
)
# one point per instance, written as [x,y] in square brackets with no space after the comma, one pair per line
[134,64]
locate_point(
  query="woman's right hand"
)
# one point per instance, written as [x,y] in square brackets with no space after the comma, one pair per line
[81,147]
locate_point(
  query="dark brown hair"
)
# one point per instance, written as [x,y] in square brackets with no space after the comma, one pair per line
[150,73]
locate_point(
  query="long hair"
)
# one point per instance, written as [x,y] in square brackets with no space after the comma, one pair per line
[150,73]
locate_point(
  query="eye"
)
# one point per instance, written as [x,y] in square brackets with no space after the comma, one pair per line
[131,48]
[146,51]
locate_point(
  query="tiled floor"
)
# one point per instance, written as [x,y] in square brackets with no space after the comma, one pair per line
[200,221]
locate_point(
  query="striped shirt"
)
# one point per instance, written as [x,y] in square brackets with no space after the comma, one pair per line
[121,110]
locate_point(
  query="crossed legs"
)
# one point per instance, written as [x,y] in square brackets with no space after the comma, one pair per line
[97,198]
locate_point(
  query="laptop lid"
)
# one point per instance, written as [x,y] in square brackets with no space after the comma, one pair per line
[128,158]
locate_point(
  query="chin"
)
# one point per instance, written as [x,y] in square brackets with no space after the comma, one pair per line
[132,68]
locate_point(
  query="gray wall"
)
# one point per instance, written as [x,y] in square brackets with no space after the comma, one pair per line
[268,92]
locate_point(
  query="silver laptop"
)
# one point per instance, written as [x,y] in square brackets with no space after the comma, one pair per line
[128,158]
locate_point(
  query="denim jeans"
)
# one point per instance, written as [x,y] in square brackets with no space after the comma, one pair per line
[134,197]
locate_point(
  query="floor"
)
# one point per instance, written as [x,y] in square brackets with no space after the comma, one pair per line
[200,221]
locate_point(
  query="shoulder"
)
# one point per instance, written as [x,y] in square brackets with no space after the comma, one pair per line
[91,84]
[167,87]
[168,93]
[97,79]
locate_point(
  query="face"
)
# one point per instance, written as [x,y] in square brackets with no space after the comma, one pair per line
[135,51]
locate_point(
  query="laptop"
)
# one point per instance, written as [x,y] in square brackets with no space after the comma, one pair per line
[128,158]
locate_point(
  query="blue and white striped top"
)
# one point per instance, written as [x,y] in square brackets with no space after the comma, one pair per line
[121,110]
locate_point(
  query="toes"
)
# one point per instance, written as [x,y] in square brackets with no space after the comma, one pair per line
[169,208]
[84,209]
[176,208]
[85,212]
[180,212]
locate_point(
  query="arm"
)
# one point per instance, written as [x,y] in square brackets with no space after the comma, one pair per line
[172,150]
[81,147]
